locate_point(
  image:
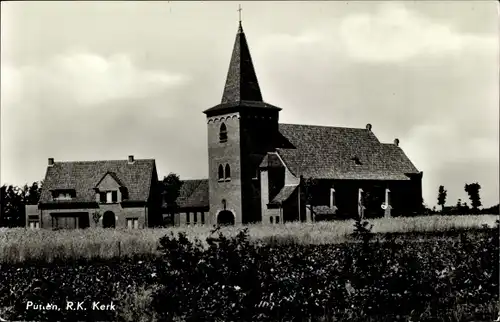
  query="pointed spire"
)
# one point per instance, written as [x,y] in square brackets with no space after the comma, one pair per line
[241,81]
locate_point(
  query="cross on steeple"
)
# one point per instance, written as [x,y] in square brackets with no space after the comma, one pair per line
[239,12]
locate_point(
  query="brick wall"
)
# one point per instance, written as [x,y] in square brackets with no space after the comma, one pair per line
[121,215]
[222,154]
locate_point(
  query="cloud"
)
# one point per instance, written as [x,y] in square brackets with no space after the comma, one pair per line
[59,108]
[86,78]
[396,34]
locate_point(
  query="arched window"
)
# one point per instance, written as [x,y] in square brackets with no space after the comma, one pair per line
[223,133]
[221,172]
[228,172]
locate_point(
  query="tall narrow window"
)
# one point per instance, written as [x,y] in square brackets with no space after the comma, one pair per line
[227,173]
[114,196]
[223,133]
[221,173]
[195,218]
[187,218]
[271,219]
[202,218]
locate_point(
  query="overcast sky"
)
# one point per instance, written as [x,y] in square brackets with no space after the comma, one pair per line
[102,80]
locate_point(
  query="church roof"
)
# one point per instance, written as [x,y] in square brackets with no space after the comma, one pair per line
[193,194]
[83,176]
[325,152]
[284,194]
[242,87]
[241,81]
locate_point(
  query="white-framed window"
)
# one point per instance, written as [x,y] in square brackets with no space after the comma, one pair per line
[108,196]
[34,224]
[132,223]
[63,194]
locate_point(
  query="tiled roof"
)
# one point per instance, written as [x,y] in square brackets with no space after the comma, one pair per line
[241,81]
[242,87]
[330,152]
[83,176]
[323,210]
[284,194]
[271,160]
[241,105]
[193,194]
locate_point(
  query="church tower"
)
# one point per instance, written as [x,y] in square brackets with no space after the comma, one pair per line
[241,130]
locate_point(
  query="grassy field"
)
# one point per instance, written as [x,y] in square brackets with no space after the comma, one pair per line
[18,245]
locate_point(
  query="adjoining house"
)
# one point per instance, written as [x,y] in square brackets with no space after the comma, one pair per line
[117,193]
[192,204]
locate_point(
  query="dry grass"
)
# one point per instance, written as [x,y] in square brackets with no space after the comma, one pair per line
[20,244]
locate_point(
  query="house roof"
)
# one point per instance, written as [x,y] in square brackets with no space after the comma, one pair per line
[331,152]
[193,194]
[284,194]
[83,176]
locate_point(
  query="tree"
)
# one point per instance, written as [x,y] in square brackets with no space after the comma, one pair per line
[12,206]
[473,192]
[32,194]
[442,197]
[171,191]
[13,202]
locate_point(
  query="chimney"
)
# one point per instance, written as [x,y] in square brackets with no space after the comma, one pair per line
[369,127]
[130,159]
[396,142]
[51,162]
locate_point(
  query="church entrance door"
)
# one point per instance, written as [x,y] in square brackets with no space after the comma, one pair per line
[225,218]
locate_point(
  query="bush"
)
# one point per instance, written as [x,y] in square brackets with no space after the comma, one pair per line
[237,280]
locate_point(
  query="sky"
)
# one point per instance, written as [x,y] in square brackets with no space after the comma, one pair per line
[104,80]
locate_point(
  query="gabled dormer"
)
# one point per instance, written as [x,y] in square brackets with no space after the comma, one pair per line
[63,194]
[110,189]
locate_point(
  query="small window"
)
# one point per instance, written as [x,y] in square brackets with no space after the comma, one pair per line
[114,196]
[223,133]
[195,218]
[271,219]
[102,197]
[187,217]
[132,223]
[356,160]
[277,219]
[227,173]
[202,218]
[221,173]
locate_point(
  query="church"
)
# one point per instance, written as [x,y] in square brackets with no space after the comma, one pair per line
[260,171]
[263,171]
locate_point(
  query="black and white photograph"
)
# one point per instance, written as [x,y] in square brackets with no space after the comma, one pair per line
[250,161]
